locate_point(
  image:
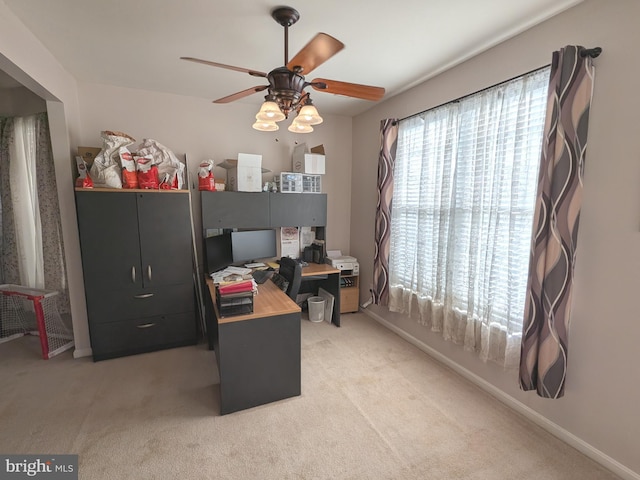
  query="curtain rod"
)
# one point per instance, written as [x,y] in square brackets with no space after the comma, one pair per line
[584,52]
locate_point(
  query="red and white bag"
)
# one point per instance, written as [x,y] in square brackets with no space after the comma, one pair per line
[206,181]
[170,169]
[147,173]
[84,180]
[129,174]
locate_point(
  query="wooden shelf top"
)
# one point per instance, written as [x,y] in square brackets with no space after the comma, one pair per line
[135,190]
[318,269]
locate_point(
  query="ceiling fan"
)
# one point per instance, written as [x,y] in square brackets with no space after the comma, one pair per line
[287,84]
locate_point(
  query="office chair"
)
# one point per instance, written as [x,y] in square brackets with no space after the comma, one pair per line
[292,272]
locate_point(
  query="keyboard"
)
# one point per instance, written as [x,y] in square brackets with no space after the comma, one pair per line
[261,276]
[280,281]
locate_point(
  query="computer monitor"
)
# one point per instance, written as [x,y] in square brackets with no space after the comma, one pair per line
[218,253]
[251,245]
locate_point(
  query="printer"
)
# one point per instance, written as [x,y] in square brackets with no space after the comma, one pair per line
[346,264]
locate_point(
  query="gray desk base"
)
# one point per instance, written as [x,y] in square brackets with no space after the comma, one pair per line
[258,361]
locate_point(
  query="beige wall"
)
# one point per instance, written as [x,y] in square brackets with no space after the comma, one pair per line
[599,411]
[20,101]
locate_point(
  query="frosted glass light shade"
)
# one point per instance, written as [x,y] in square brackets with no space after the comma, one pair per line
[308,115]
[296,127]
[270,112]
[265,126]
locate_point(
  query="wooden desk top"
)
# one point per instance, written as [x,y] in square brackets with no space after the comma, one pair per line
[318,269]
[269,301]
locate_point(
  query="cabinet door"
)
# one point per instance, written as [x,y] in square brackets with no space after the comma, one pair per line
[298,209]
[165,238]
[108,226]
[235,209]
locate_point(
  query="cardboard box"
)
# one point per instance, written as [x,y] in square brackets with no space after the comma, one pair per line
[245,173]
[88,154]
[309,161]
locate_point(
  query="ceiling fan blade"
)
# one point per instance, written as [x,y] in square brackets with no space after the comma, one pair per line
[320,49]
[242,94]
[255,73]
[366,92]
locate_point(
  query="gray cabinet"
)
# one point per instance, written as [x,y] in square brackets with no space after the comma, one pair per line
[298,209]
[235,209]
[137,266]
[262,210]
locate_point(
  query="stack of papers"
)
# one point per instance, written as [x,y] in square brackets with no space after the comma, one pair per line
[230,274]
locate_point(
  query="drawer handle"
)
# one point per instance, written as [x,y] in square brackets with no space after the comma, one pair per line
[143,295]
[146,325]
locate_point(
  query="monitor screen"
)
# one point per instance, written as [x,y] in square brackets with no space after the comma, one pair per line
[218,252]
[250,245]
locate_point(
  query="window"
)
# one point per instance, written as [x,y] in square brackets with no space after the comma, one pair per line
[465,179]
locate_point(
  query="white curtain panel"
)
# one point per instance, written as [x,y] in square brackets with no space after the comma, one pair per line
[464,190]
[24,197]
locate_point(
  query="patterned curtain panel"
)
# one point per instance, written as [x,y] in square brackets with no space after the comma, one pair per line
[55,274]
[543,360]
[9,270]
[386,159]
[50,262]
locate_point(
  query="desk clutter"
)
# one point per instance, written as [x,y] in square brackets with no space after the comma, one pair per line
[235,298]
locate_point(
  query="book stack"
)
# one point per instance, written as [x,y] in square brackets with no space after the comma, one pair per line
[235,298]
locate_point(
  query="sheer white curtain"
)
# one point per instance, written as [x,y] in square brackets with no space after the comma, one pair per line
[24,198]
[464,190]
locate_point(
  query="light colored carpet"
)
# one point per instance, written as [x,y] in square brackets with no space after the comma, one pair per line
[372,407]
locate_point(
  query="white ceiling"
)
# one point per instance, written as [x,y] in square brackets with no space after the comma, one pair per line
[390,44]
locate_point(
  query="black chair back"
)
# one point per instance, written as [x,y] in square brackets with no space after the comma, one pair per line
[292,271]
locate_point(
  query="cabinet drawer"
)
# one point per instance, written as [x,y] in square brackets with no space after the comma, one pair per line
[128,337]
[349,297]
[116,305]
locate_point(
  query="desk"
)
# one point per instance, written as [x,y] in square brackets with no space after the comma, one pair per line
[258,354]
[316,275]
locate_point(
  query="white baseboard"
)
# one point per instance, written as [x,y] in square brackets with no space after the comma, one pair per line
[540,420]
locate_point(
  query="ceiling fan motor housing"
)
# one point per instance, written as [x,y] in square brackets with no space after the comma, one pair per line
[287,87]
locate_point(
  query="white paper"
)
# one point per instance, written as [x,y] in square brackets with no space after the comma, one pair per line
[238,270]
[289,242]
[254,265]
[307,236]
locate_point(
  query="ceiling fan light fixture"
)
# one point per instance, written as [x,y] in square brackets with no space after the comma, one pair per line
[286,84]
[308,115]
[265,126]
[270,112]
[297,127]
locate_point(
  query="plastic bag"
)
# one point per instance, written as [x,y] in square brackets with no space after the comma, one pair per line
[206,181]
[170,169]
[105,170]
[84,180]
